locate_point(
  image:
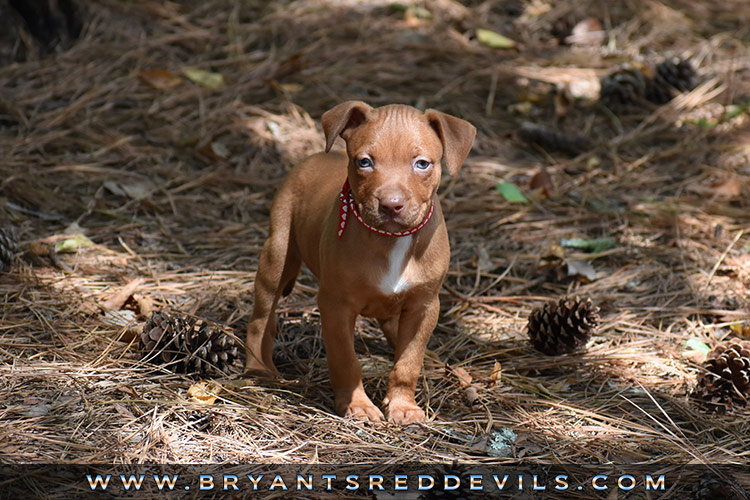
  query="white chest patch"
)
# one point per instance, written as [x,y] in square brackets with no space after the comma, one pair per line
[395,279]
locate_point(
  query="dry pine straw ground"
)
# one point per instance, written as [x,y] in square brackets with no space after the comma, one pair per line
[85,141]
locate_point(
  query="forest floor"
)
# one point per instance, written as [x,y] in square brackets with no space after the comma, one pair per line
[171,177]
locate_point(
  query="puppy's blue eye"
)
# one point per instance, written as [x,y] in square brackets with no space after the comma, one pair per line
[422,164]
[364,163]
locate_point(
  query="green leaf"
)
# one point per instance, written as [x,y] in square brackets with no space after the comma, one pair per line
[220,150]
[494,40]
[204,78]
[594,246]
[511,192]
[606,205]
[420,13]
[697,345]
[398,6]
[73,244]
[733,111]
[706,124]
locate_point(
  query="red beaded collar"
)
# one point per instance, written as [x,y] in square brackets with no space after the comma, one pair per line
[348,206]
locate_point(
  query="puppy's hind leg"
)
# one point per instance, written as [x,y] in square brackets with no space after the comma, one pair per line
[278,268]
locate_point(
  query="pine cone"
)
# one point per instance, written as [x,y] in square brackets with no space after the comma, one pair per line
[623,87]
[725,381]
[187,345]
[8,247]
[563,326]
[712,487]
[671,77]
[553,140]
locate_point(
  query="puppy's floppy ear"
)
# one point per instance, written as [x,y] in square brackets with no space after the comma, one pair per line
[457,136]
[349,114]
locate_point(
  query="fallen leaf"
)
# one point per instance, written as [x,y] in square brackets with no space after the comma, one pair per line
[581,268]
[125,322]
[118,299]
[119,319]
[123,411]
[511,193]
[204,392]
[495,375]
[540,184]
[695,357]
[416,16]
[553,252]
[524,446]
[494,40]
[484,262]
[419,13]
[73,244]
[740,329]
[214,151]
[286,87]
[114,188]
[137,191]
[37,410]
[144,305]
[240,383]
[39,248]
[292,87]
[233,228]
[559,386]
[204,78]
[524,108]
[220,150]
[471,394]
[728,188]
[159,78]
[586,32]
[594,246]
[541,179]
[463,376]
[134,191]
[697,345]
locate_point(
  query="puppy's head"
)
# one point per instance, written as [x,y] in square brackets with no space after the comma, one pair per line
[395,154]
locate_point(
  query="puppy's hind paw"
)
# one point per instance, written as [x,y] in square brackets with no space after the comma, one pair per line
[255,368]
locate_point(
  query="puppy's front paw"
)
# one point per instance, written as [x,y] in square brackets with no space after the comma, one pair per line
[403,412]
[360,410]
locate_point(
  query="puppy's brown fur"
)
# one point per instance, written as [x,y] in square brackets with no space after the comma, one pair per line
[393,279]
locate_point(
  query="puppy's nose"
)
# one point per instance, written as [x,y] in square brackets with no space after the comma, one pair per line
[391,204]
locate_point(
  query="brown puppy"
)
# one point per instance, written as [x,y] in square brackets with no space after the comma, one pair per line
[378,245]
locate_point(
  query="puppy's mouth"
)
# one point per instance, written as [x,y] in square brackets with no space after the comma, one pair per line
[407,218]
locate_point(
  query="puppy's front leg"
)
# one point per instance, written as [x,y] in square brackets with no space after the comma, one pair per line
[415,327]
[337,320]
